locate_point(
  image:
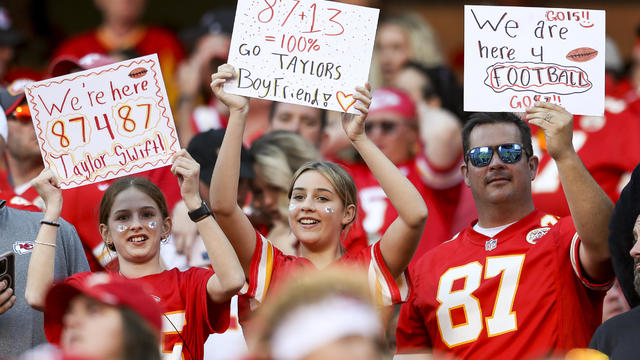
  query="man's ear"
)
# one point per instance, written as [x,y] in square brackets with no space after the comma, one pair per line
[349,215]
[533,166]
[465,173]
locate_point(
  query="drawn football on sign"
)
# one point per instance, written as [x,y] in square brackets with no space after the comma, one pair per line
[137,73]
[582,54]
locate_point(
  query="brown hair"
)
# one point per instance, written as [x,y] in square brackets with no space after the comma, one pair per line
[122,184]
[140,341]
[337,176]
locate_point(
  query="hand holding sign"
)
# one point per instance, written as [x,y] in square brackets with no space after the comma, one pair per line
[354,124]
[302,52]
[225,73]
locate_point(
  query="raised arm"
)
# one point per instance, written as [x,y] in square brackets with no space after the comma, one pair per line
[42,261]
[223,193]
[399,242]
[229,276]
[590,206]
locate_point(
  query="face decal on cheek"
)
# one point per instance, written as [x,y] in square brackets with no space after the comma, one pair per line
[292,207]
[122,228]
[152,224]
[329,210]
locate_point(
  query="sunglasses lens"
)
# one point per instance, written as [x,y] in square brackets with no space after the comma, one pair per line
[387,127]
[510,153]
[480,156]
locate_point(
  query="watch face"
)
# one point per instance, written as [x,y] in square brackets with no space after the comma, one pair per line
[200,213]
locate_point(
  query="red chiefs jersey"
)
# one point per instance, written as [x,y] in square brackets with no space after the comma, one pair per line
[442,201]
[517,295]
[188,314]
[609,147]
[269,267]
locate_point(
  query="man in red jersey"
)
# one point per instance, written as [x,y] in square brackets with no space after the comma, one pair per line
[519,283]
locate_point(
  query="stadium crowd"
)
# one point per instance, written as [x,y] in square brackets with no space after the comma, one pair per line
[439,233]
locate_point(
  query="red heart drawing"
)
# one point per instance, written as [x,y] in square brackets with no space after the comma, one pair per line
[344,100]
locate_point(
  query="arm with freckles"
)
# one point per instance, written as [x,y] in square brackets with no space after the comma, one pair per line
[223,193]
[590,206]
[399,242]
[42,261]
[229,277]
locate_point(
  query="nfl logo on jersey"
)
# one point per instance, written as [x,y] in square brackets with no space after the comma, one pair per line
[490,244]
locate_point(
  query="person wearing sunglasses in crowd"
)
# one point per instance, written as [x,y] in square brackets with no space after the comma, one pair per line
[393,125]
[518,283]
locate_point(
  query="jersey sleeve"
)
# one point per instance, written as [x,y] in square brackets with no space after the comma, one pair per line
[214,317]
[261,270]
[385,289]
[565,226]
[411,334]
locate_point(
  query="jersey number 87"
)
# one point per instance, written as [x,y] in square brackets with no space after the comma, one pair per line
[502,320]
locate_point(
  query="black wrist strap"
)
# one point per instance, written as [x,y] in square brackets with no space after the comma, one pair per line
[200,213]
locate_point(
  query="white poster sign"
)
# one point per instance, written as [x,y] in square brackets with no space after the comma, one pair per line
[515,56]
[105,122]
[303,52]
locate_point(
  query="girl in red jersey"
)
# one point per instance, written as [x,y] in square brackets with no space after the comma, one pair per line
[133,221]
[322,205]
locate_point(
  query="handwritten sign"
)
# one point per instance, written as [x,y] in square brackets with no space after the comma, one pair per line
[105,122]
[515,56]
[303,52]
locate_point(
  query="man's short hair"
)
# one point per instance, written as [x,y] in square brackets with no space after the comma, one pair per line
[482,118]
[323,114]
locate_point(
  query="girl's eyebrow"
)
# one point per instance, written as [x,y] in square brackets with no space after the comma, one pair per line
[317,189]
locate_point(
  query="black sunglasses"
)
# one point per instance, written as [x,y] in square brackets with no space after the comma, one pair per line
[482,155]
[387,127]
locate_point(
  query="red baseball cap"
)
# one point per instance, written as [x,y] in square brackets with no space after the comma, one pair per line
[389,100]
[108,288]
[64,64]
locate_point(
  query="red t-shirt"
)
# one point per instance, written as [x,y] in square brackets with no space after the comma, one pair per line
[188,317]
[609,147]
[520,296]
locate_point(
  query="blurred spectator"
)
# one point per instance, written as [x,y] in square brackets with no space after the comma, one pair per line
[198,110]
[392,124]
[306,121]
[100,316]
[122,35]
[608,154]
[400,39]
[321,315]
[9,39]
[614,303]
[21,327]
[277,156]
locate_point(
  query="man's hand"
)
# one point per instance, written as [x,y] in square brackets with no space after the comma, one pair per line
[7,299]
[557,125]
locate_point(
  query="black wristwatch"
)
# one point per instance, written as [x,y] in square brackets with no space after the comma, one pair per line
[200,213]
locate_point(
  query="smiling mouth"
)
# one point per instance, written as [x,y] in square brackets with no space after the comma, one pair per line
[308,221]
[137,239]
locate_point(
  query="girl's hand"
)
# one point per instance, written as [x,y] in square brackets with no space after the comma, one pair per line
[354,124]
[187,171]
[46,184]
[233,102]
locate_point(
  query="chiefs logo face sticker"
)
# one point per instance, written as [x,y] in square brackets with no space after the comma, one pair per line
[535,234]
